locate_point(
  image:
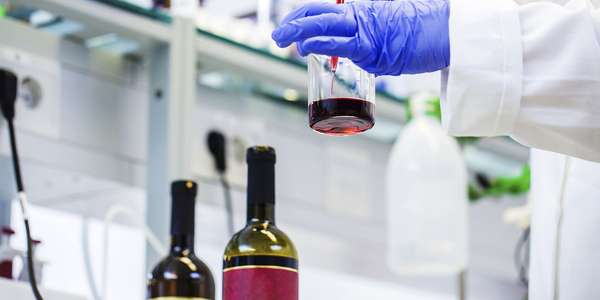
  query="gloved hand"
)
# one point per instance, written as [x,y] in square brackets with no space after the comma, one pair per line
[382,37]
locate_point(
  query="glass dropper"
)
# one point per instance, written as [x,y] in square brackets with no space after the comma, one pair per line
[335,59]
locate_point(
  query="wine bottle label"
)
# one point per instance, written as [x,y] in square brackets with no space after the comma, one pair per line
[260,278]
[177,298]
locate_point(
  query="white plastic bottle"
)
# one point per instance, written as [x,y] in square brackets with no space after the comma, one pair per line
[427,198]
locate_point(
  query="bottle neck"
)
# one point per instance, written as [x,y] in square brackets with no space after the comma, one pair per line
[183,218]
[261,192]
[260,213]
[182,244]
[420,110]
[423,105]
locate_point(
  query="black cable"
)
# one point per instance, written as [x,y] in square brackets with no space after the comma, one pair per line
[15,156]
[21,191]
[8,97]
[217,144]
[30,267]
[228,203]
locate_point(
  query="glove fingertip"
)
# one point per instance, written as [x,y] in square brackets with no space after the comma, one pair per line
[281,39]
[282,45]
[276,36]
[301,50]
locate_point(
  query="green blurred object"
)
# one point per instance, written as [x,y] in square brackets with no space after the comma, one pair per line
[474,194]
[466,140]
[434,109]
[501,186]
[2,11]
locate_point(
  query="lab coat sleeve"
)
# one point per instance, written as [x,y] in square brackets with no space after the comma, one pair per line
[529,71]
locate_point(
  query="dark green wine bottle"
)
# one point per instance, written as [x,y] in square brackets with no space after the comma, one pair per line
[182,275]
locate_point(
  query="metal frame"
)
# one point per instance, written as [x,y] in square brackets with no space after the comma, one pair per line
[99,15]
[174,94]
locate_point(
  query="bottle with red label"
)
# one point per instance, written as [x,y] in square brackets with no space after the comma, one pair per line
[260,262]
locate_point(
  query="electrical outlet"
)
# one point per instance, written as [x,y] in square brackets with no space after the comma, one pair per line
[203,162]
[240,133]
[236,158]
[38,107]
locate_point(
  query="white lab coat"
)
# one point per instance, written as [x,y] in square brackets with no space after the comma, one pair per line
[532,71]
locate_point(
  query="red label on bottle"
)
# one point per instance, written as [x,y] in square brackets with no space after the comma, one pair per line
[260,283]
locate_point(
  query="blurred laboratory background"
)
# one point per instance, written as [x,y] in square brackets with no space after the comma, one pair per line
[118,97]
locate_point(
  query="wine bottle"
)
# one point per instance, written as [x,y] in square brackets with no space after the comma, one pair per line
[182,275]
[260,262]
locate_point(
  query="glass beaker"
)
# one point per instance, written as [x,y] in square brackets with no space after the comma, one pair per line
[340,102]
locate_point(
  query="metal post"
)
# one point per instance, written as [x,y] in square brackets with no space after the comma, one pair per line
[173,94]
[7,190]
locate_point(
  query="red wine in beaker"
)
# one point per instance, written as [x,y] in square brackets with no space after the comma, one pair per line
[341,116]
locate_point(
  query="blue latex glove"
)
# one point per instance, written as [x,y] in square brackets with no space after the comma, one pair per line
[382,37]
